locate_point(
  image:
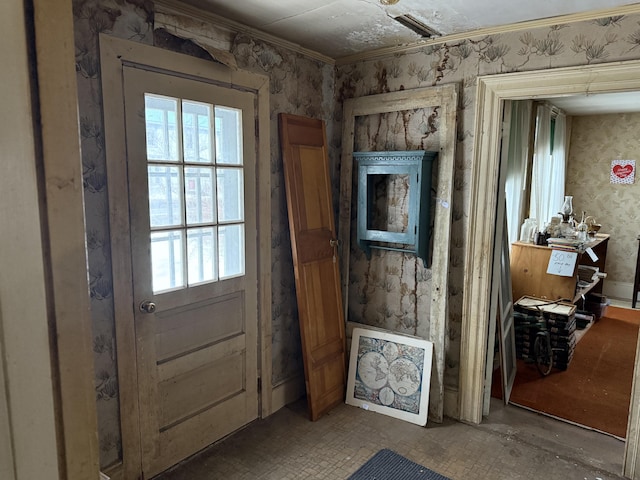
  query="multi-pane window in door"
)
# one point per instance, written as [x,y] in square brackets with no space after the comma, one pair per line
[196,192]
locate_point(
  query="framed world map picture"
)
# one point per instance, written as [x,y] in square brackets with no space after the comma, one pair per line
[390,374]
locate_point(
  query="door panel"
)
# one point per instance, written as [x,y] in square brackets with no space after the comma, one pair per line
[314,245]
[506,323]
[187,329]
[190,154]
[501,304]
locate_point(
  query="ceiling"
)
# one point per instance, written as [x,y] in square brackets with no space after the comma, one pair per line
[340,28]
[600,104]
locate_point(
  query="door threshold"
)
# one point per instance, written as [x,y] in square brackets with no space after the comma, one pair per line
[555,417]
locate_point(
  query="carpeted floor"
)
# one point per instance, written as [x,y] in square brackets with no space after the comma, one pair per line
[595,390]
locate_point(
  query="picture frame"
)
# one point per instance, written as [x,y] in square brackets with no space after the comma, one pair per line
[390,374]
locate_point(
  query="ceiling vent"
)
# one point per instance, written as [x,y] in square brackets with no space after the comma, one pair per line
[417,26]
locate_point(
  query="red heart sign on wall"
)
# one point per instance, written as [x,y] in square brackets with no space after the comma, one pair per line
[623,171]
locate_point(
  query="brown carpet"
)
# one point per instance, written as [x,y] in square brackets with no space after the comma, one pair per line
[596,388]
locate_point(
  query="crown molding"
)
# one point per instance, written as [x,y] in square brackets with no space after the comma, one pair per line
[513,27]
[180,8]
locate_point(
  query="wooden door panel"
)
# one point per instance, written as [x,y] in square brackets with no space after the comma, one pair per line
[198,429]
[196,359]
[314,246]
[197,351]
[190,327]
[320,298]
[316,210]
[185,395]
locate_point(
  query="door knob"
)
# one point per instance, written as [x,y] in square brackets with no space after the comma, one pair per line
[147,307]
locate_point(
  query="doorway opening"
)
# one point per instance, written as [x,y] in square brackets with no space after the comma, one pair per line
[590,383]
[492,93]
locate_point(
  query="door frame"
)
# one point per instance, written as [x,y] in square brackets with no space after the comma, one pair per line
[492,91]
[114,54]
[48,408]
[445,97]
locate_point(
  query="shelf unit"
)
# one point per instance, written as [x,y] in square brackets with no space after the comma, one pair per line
[529,275]
[374,229]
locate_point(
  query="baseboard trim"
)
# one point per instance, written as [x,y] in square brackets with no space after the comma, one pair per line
[619,290]
[115,472]
[450,405]
[287,392]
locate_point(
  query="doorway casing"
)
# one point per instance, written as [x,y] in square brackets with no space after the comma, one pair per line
[114,53]
[492,91]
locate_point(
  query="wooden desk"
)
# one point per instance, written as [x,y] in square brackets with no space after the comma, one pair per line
[529,271]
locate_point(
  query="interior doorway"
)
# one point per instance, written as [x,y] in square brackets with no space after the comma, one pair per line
[594,389]
[492,92]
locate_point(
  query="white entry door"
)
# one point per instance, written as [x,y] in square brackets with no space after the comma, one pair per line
[191,183]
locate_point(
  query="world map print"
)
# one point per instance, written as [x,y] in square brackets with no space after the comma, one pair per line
[389,374]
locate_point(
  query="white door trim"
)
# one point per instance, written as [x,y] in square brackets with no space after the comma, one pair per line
[492,91]
[446,97]
[114,53]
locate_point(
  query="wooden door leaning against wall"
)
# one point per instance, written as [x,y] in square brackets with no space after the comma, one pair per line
[315,260]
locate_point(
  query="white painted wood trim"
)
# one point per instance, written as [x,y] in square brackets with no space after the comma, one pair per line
[120,231]
[263,176]
[114,53]
[631,462]
[115,472]
[67,234]
[445,96]
[7,468]
[477,278]
[451,405]
[30,427]
[287,392]
[492,91]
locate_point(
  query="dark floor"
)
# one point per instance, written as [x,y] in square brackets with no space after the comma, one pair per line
[511,443]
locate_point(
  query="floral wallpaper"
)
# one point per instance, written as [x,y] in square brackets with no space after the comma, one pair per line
[596,140]
[132,20]
[392,289]
[603,40]
[298,84]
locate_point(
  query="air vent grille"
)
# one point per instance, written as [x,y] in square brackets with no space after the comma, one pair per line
[417,26]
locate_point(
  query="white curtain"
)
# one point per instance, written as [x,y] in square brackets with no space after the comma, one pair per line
[516,176]
[548,175]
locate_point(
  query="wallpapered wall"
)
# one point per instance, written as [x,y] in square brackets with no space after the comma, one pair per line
[596,140]
[298,85]
[307,87]
[604,40]
[391,290]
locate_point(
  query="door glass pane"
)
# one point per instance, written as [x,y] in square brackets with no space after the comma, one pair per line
[228,136]
[231,250]
[196,132]
[191,198]
[230,194]
[165,195]
[199,195]
[161,115]
[167,266]
[201,254]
